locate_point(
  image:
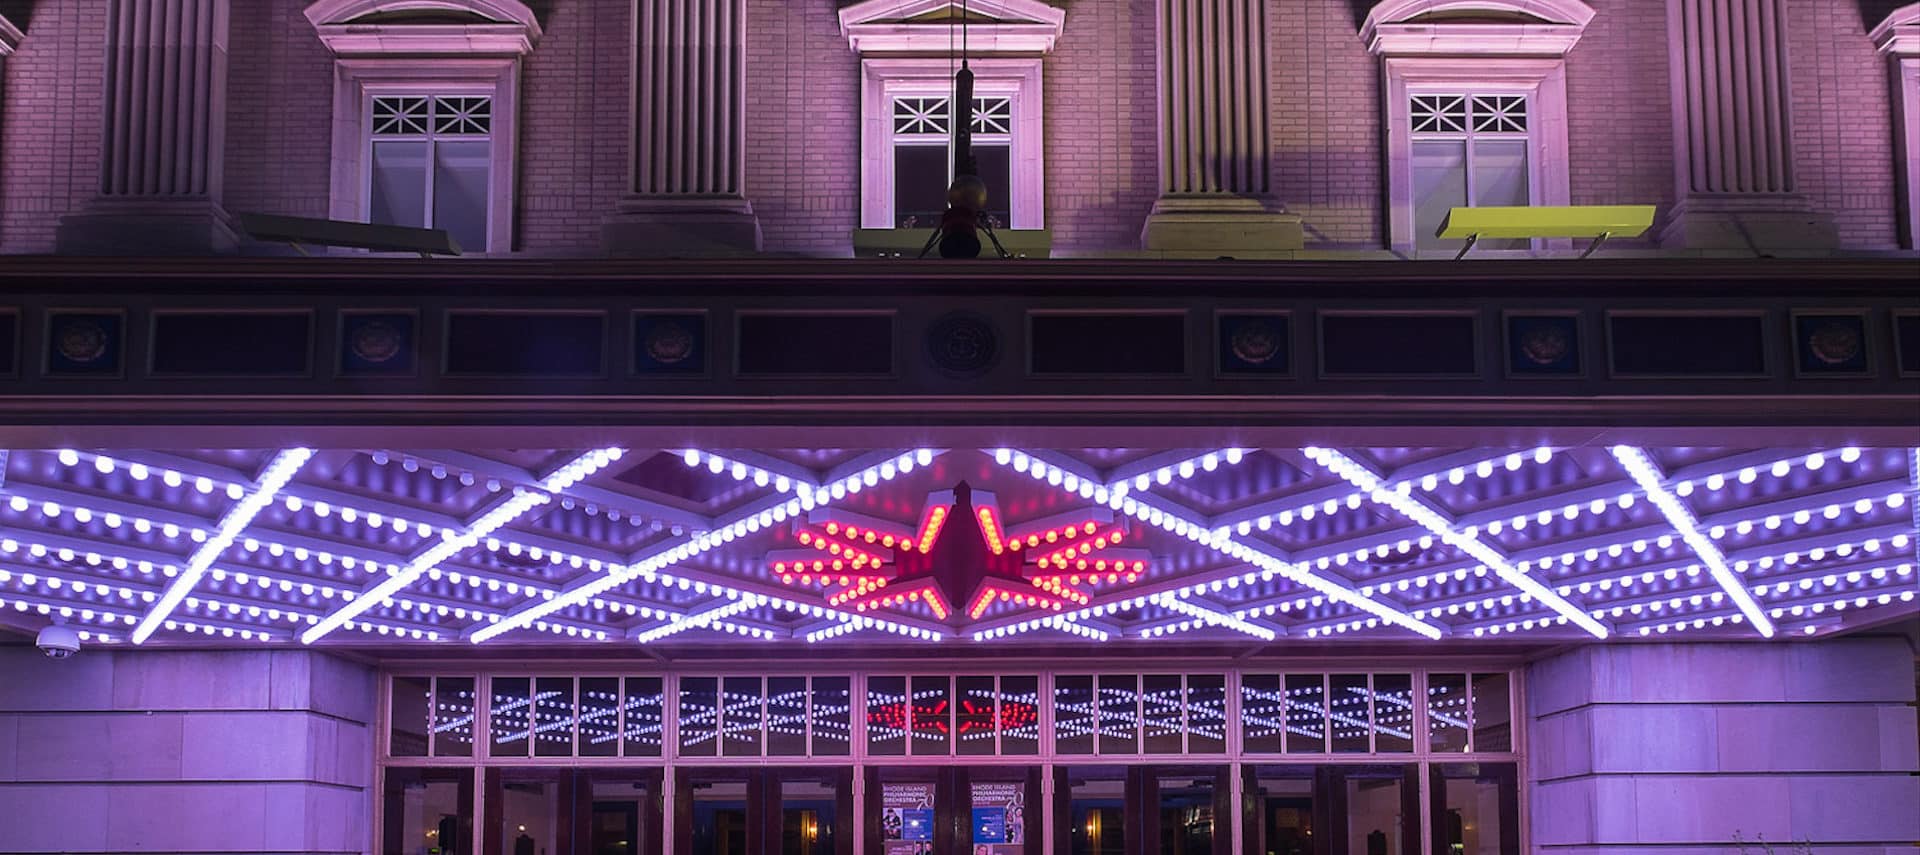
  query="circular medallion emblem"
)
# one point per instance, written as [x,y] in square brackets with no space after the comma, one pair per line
[962,344]
[1255,341]
[377,341]
[1545,345]
[669,343]
[81,342]
[1834,343]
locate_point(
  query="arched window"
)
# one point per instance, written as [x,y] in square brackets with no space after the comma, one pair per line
[1476,108]
[1899,38]
[425,97]
[906,120]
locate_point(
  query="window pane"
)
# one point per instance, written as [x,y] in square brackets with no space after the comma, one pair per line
[460,197]
[599,716]
[398,193]
[786,716]
[1393,713]
[974,707]
[553,717]
[512,715]
[1480,809]
[932,715]
[644,705]
[741,717]
[428,810]
[1447,711]
[1019,715]
[1073,715]
[919,185]
[1119,714]
[1492,718]
[1263,713]
[412,699]
[1500,178]
[1439,184]
[1347,707]
[453,717]
[1206,713]
[699,716]
[832,716]
[1161,701]
[1377,818]
[1306,719]
[996,170]
[887,721]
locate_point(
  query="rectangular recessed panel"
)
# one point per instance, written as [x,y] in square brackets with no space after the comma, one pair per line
[816,344]
[1688,345]
[1397,344]
[1109,344]
[240,344]
[531,344]
[9,342]
[1906,329]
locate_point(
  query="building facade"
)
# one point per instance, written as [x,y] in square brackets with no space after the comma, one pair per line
[1238,511]
[1315,129]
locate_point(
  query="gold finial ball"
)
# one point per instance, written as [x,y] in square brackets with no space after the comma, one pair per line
[969,192]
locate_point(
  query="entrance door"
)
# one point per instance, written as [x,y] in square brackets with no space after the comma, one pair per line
[764,811]
[954,810]
[1143,810]
[571,812]
[1332,810]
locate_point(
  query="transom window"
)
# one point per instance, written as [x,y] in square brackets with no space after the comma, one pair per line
[923,161]
[1468,149]
[430,163]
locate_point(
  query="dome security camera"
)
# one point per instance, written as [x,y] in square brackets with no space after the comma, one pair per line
[58,642]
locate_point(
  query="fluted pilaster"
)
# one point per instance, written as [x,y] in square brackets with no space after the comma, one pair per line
[1733,129]
[162,147]
[1216,140]
[1214,133]
[687,194]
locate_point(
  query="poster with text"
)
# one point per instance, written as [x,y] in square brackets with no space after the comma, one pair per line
[906,818]
[999,818]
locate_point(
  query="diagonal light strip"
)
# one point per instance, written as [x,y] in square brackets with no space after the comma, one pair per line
[278,472]
[648,564]
[1418,511]
[1166,515]
[699,620]
[1645,473]
[450,545]
[1214,617]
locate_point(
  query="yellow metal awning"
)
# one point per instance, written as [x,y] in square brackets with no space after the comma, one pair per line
[1566,221]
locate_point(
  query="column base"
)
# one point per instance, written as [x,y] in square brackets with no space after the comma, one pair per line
[695,227]
[1756,224]
[148,227]
[1213,226]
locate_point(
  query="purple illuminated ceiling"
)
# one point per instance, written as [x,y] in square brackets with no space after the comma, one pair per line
[421,548]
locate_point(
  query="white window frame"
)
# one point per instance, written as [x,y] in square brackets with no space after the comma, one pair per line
[1898,38]
[398,58]
[1469,137]
[359,81]
[1015,78]
[1542,82]
[1522,56]
[895,139]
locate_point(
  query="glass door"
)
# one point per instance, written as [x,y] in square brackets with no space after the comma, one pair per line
[764,811]
[1332,810]
[553,811]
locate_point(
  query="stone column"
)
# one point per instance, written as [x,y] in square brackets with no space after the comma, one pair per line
[162,146]
[687,193]
[1216,142]
[1733,131]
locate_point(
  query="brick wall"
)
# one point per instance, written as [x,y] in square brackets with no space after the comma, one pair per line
[279,111]
[1325,100]
[1620,109]
[803,127]
[574,132]
[50,127]
[1842,120]
[1101,139]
